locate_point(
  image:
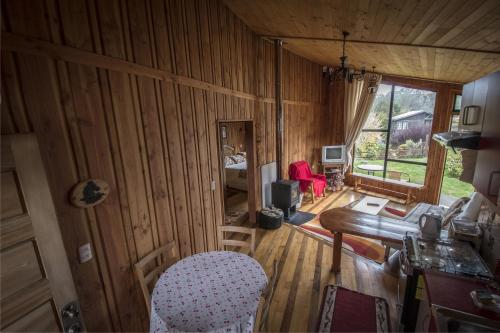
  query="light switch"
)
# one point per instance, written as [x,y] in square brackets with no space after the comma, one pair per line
[212,186]
[85,252]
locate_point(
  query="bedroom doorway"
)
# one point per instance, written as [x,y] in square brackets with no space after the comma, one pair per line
[236,142]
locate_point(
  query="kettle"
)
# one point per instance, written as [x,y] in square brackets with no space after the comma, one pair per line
[430,226]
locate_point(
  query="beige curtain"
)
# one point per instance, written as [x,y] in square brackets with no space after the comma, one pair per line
[359,97]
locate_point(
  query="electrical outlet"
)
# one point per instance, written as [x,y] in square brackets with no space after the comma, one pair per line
[85,253]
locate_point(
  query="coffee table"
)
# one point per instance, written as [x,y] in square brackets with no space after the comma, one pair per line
[364,207]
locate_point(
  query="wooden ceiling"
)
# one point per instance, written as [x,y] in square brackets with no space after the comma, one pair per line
[446,40]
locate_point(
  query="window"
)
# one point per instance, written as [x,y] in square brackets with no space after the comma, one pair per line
[452,187]
[402,125]
[394,142]
[455,116]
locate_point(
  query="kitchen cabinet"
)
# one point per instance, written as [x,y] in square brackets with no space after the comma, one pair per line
[474,96]
[487,171]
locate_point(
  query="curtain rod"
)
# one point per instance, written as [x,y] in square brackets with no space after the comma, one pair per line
[354,41]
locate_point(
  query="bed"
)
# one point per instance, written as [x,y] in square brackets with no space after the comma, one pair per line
[235,168]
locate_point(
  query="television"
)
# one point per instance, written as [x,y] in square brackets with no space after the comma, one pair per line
[333,154]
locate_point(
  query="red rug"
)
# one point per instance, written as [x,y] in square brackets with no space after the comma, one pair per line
[395,211]
[362,246]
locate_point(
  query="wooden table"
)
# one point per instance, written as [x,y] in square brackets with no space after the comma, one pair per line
[371,168]
[344,220]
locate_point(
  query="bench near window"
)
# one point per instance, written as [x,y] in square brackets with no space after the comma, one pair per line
[405,190]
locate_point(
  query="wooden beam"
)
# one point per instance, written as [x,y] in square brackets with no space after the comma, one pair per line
[354,41]
[27,45]
[278,49]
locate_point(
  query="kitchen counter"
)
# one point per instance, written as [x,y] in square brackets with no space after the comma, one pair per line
[453,292]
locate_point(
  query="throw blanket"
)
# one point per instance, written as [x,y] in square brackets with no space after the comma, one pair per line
[302,172]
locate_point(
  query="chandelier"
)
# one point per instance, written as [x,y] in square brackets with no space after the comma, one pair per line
[346,73]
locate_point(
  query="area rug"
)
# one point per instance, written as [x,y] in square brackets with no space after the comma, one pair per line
[362,246]
[300,218]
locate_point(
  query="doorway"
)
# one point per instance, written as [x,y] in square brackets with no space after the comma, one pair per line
[236,149]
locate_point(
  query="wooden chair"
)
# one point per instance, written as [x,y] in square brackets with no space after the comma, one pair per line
[267,296]
[149,268]
[233,242]
[396,175]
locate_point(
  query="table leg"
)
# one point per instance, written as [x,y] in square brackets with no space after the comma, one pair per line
[337,252]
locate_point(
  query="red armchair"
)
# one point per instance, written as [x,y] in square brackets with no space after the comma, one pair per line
[308,181]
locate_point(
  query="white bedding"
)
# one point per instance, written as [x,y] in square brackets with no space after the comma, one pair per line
[236,176]
[237,166]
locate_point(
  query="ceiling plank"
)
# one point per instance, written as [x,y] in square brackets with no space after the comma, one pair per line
[453,41]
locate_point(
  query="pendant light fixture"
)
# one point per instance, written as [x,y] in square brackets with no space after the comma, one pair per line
[344,72]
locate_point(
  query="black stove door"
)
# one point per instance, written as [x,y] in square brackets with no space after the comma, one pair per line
[411,303]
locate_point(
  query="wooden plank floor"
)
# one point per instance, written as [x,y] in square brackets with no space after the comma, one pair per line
[304,270]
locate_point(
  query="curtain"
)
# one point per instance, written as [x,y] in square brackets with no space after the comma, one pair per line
[359,97]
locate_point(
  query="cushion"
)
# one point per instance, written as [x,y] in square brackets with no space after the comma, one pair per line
[239,158]
[228,161]
[471,209]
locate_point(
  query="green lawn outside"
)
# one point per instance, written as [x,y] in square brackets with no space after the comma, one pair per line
[451,186]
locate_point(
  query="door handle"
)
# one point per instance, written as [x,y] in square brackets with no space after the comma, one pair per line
[490,182]
[475,115]
[465,116]
[71,318]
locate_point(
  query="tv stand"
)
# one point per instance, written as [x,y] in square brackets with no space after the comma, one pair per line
[330,169]
[327,167]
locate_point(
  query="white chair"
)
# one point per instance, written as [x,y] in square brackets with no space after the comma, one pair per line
[250,243]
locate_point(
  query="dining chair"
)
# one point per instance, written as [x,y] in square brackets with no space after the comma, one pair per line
[249,243]
[149,268]
[267,296]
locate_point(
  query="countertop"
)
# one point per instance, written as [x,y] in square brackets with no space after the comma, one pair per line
[453,292]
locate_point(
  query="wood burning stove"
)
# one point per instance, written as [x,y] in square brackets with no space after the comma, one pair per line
[286,196]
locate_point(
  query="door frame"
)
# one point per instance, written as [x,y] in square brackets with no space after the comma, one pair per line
[250,143]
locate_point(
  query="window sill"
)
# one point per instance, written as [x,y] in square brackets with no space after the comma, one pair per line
[387,180]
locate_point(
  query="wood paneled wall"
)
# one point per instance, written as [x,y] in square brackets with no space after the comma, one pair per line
[235,136]
[130,92]
[336,97]
[304,111]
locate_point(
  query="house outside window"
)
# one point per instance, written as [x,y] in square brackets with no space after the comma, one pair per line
[397,134]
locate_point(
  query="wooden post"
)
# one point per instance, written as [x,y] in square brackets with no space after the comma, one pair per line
[278,49]
[337,252]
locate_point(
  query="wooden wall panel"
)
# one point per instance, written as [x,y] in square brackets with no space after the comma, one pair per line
[305,111]
[131,92]
[235,136]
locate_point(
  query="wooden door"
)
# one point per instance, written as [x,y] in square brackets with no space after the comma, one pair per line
[35,278]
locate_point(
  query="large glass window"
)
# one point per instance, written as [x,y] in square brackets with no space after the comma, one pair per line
[394,142]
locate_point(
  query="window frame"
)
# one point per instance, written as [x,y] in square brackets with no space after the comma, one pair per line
[389,125]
